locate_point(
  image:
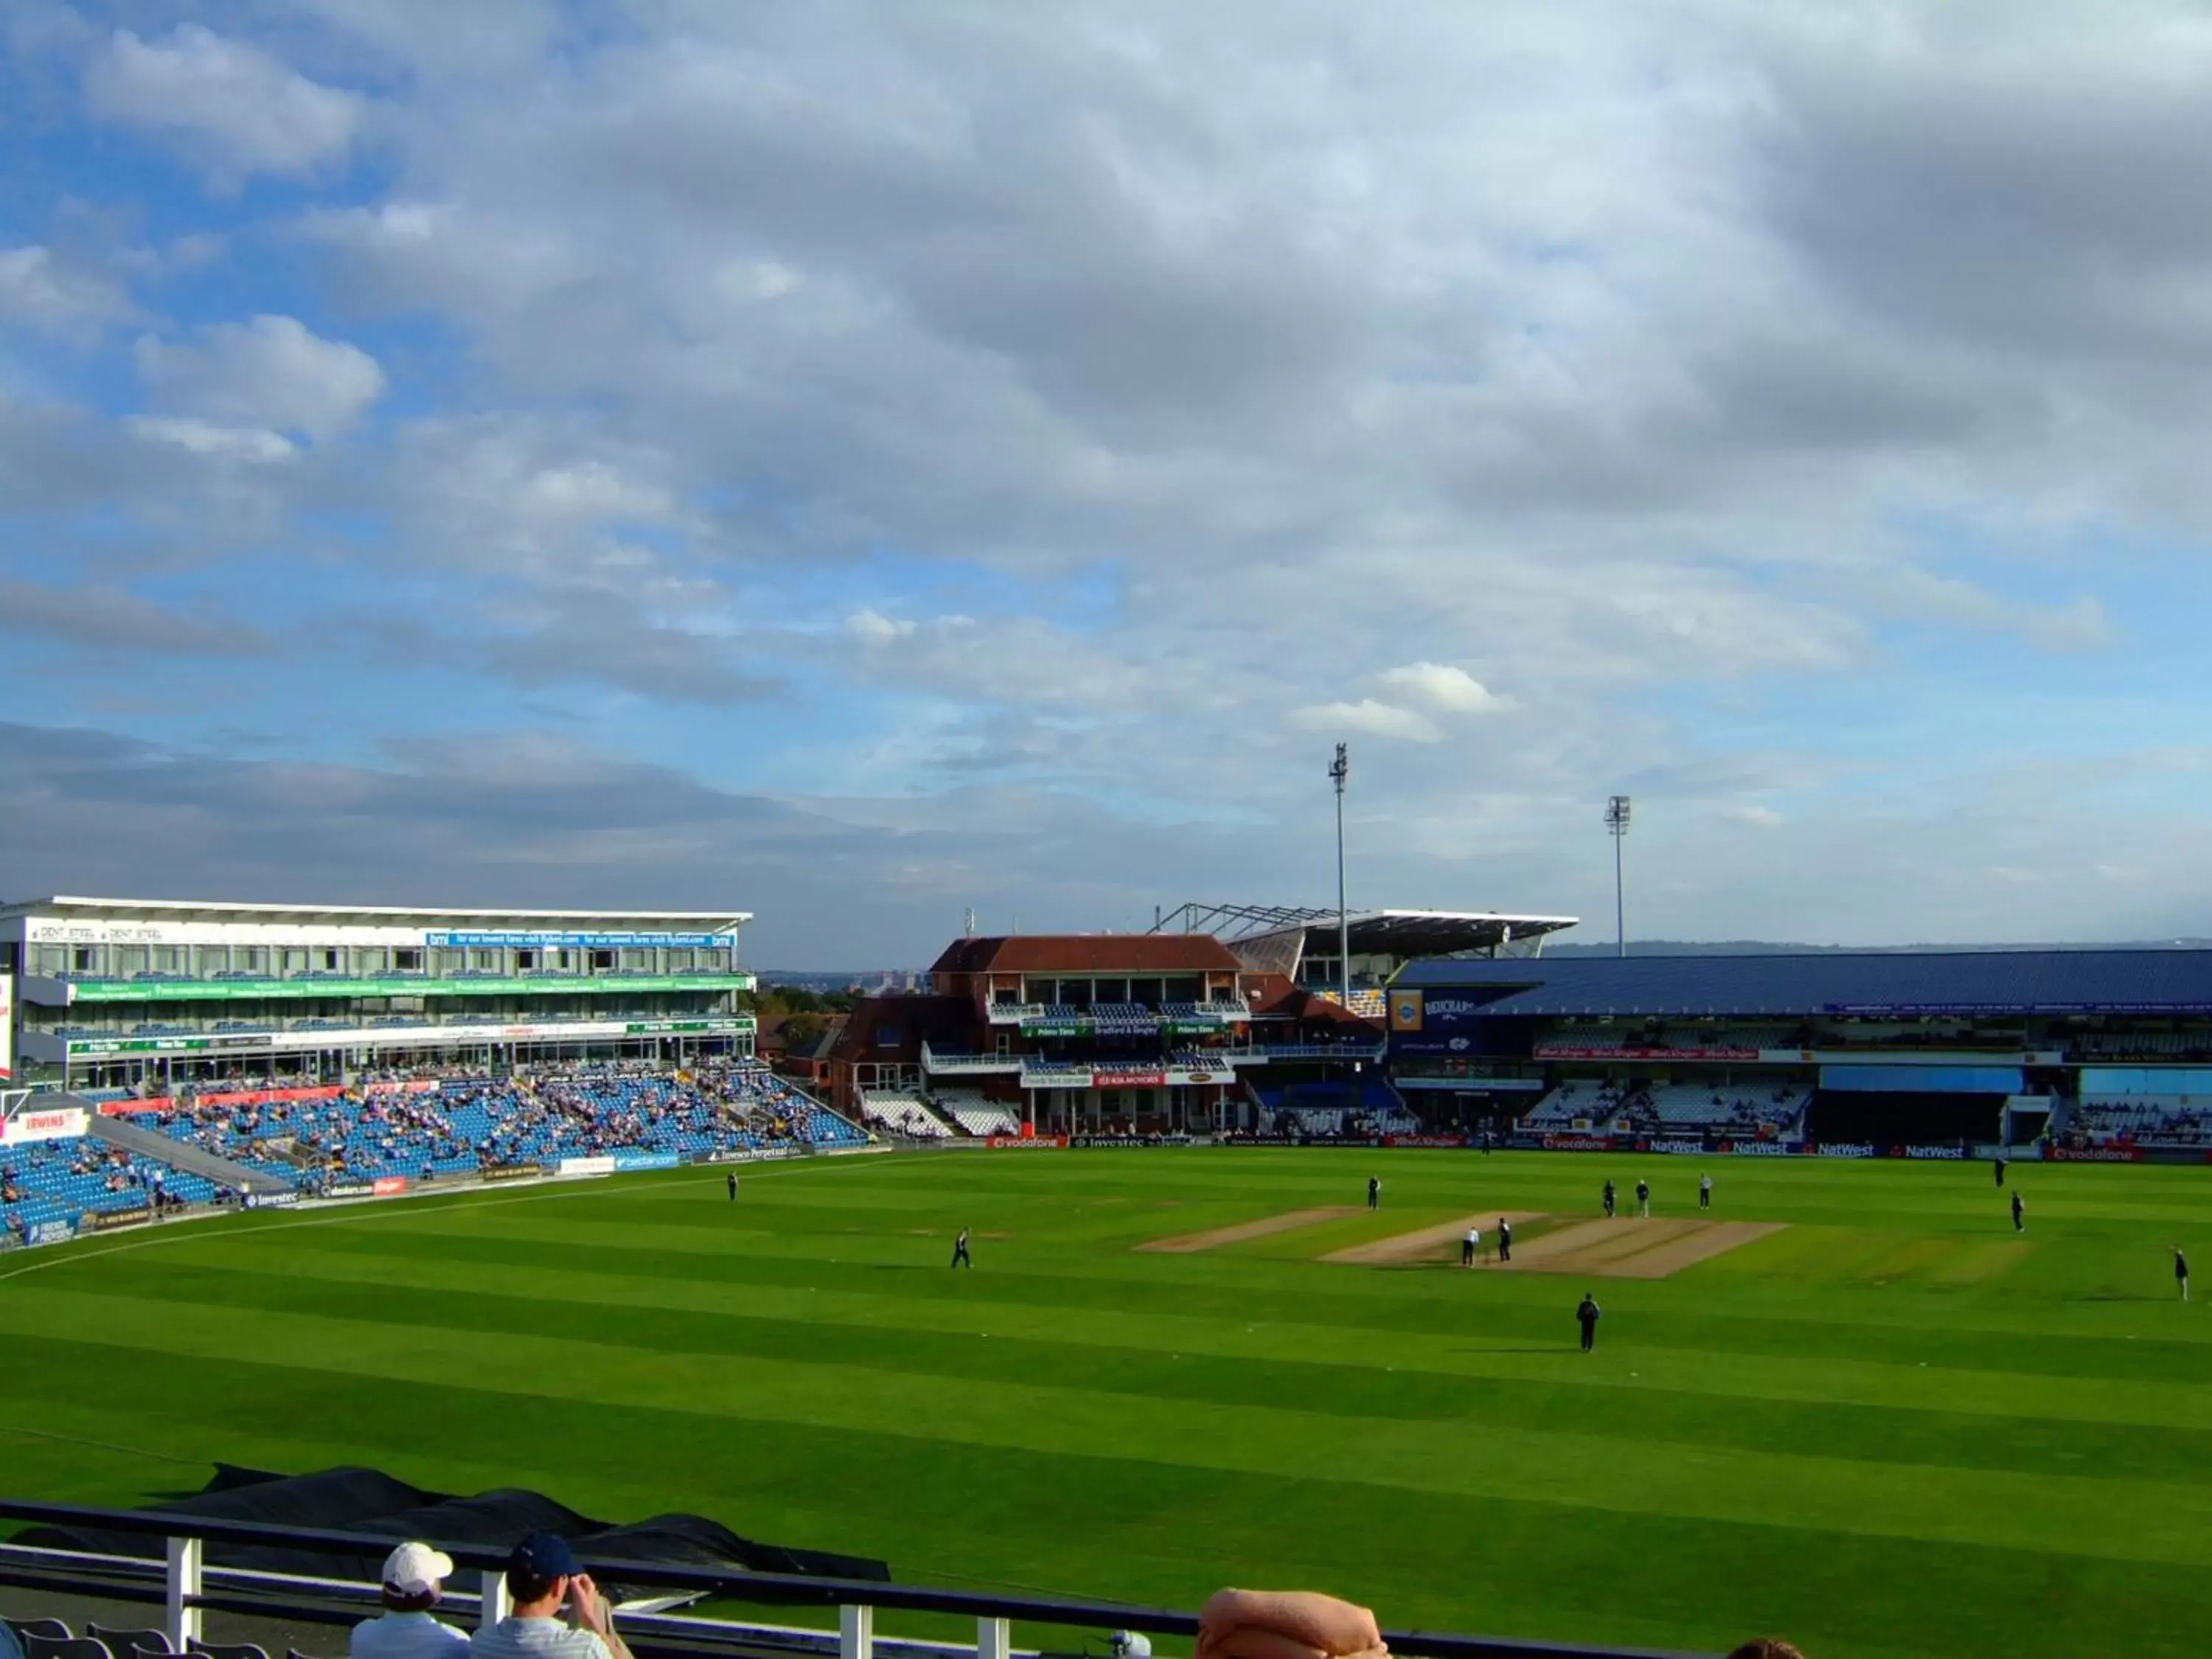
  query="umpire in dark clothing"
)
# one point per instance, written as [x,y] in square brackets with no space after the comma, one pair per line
[1588,1314]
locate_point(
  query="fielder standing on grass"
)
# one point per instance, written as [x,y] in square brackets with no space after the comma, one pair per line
[1375,1191]
[1643,1197]
[733,1186]
[2019,1212]
[1705,1191]
[960,1257]
[2181,1272]
[1588,1314]
[1468,1246]
[1504,1239]
[1608,1195]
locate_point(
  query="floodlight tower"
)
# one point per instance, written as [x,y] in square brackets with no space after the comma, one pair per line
[1616,823]
[1339,770]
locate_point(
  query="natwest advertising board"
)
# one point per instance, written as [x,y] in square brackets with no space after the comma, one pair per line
[1578,1051]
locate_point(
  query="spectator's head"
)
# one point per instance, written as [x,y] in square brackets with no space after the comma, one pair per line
[413,1574]
[538,1573]
[1766,1647]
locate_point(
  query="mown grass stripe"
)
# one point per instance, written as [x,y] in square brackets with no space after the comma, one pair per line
[1520,1566]
[1425,1379]
[2165,1522]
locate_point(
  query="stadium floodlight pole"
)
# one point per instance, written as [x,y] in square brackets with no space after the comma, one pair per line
[1616,823]
[1339,770]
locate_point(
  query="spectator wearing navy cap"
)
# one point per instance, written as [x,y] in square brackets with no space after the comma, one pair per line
[542,1577]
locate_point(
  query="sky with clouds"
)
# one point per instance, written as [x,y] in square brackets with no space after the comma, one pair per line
[854,462]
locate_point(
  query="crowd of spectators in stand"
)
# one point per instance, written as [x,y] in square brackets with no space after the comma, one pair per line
[54,1179]
[1358,1123]
[2140,1121]
[1676,1109]
[379,1128]
[375,1130]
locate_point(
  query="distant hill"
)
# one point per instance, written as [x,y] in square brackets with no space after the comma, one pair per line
[1752,947]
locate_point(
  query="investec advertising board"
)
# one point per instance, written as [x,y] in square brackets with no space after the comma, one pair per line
[404,1036]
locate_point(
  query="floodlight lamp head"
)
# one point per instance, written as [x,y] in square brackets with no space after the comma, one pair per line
[1617,809]
[1340,767]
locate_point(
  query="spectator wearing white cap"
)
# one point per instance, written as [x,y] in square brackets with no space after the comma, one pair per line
[413,1575]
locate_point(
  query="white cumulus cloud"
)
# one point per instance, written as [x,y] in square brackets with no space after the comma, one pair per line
[1370,719]
[233,443]
[1442,687]
[272,373]
[233,104]
[38,289]
[873,625]
[1758,818]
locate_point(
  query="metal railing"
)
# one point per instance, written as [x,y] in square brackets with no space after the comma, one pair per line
[184,1586]
[936,1061]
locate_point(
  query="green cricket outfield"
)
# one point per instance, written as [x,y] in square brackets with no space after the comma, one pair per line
[1890,1426]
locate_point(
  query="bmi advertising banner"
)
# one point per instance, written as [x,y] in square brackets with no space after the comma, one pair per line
[527,940]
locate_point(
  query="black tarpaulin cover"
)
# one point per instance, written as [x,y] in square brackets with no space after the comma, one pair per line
[366,1501]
